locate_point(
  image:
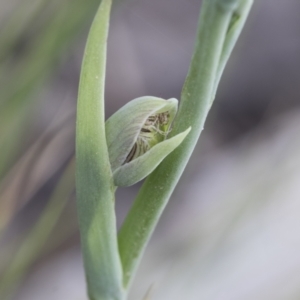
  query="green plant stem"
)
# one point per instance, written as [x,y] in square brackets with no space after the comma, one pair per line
[198,90]
[38,236]
[94,181]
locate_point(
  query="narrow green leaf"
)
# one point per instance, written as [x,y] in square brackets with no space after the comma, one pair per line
[94,181]
[142,166]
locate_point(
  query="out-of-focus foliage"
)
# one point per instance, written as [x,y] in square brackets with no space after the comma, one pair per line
[35,35]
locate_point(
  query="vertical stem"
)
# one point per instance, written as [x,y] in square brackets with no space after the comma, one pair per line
[195,103]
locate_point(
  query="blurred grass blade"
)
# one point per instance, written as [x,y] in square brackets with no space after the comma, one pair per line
[215,19]
[38,236]
[22,76]
[35,167]
[94,181]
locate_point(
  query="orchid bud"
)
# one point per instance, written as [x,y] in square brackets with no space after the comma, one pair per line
[137,138]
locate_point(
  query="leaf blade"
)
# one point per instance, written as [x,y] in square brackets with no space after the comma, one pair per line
[94,182]
[142,166]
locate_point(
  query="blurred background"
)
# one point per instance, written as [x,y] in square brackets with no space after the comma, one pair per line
[232,228]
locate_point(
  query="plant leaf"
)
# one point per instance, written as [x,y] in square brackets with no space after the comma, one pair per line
[94,181]
[139,168]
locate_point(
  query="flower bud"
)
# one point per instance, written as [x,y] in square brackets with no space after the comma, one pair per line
[137,138]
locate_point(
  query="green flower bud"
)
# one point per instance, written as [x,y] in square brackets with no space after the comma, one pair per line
[137,138]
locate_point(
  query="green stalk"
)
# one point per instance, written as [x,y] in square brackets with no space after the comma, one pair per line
[94,181]
[199,88]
